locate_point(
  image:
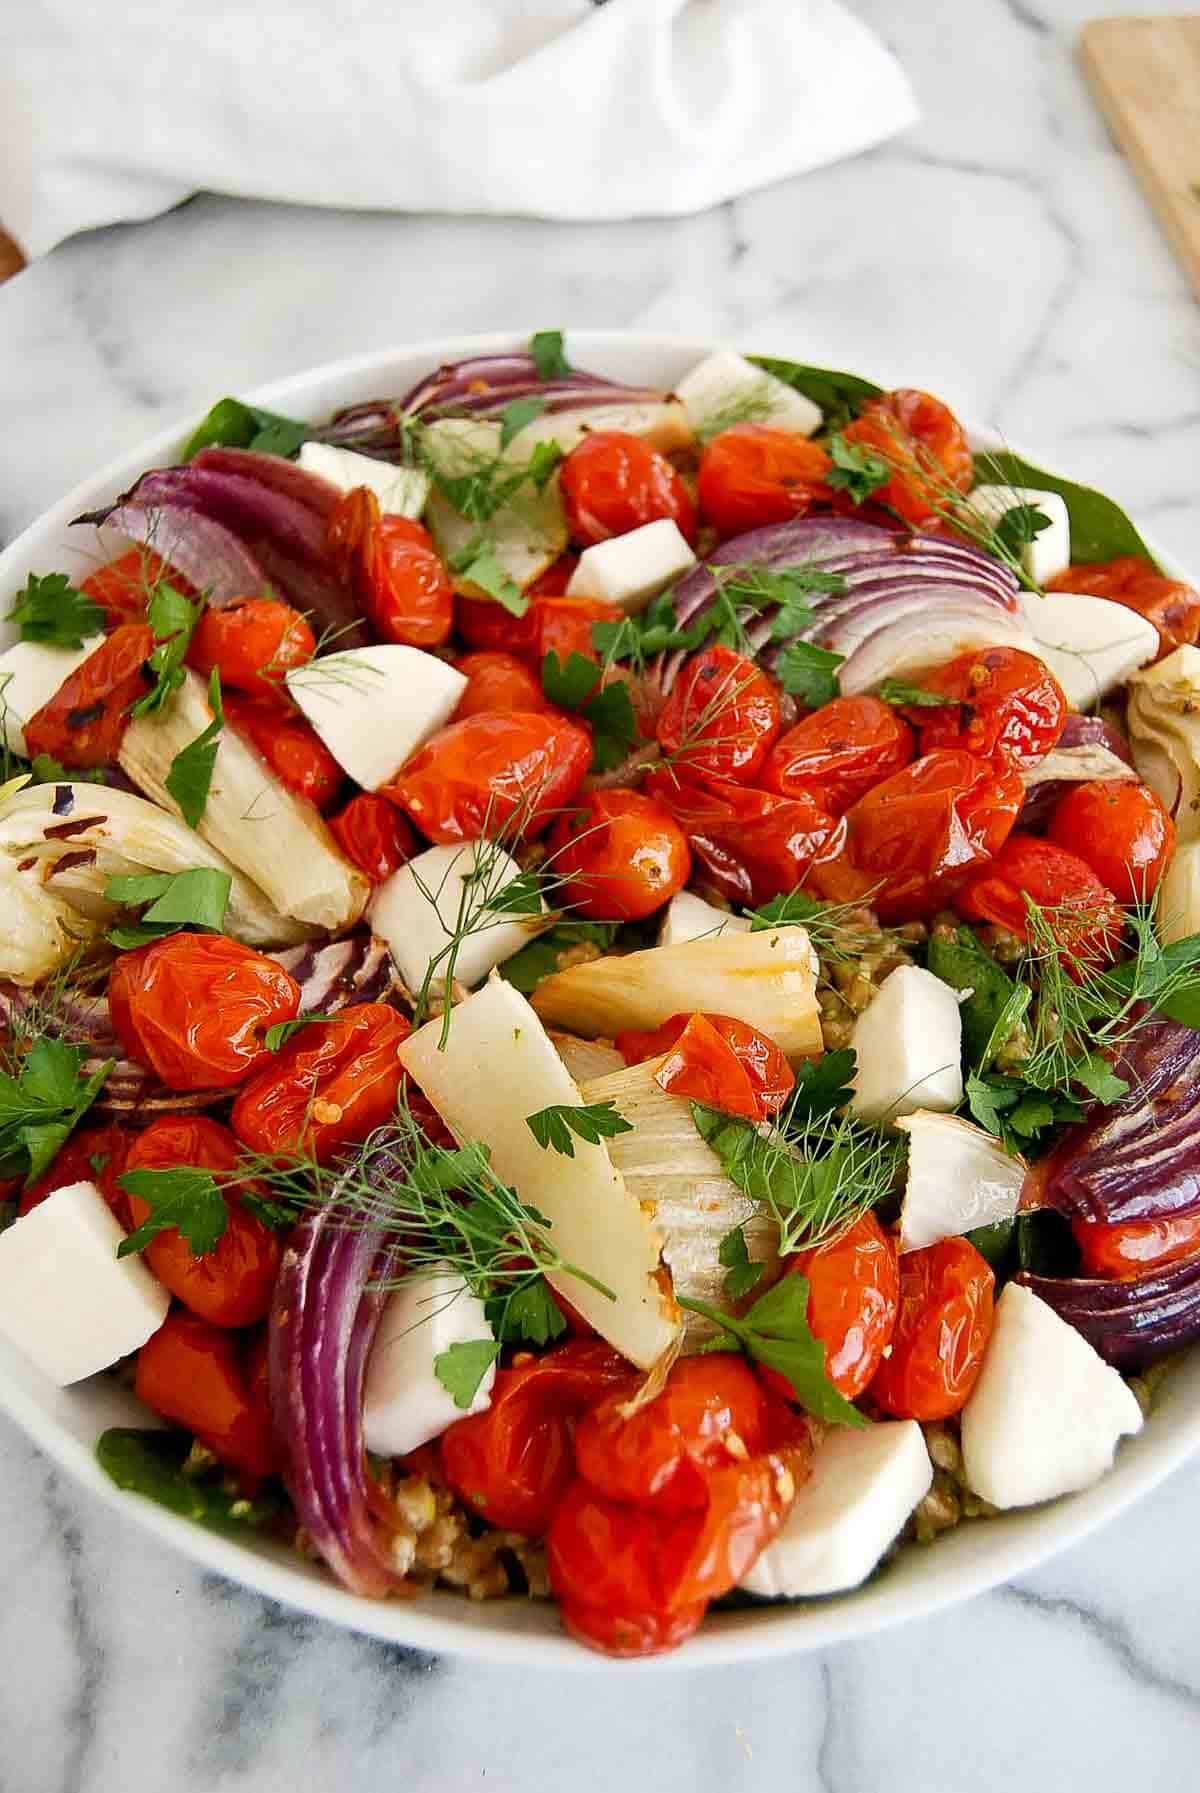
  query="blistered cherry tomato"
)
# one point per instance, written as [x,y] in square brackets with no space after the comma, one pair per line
[92,1155]
[230,1285]
[196,1008]
[753,845]
[612,482]
[942,1331]
[252,645]
[194,1374]
[1119,828]
[513,1463]
[715,1059]
[722,716]
[622,856]
[551,625]
[919,833]
[752,475]
[332,1083]
[394,568]
[1132,1248]
[1171,605]
[373,835]
[492,769]
[924,442]
[292,748]
[853,1300]
[85,720]
[123,587]
[1083,915]
[498,681]
[835,754]
[1006,706]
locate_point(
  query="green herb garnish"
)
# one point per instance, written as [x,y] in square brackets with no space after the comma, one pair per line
[41,1105]
[607,709]
[552,1127]
[51,610]
[546,347]
[776,1333]
[188,1199]
[190,776]
[173,619]
[196,898]
[856,470]
[461,1368]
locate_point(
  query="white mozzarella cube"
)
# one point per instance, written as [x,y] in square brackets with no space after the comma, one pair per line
[1091,645]
[863,1487]
[66,1300]
[373,706]
[401,491]
[30,674]
[1047,1412]
[631,569]
[908,1048]
[688,917]
[959,1178]
[405,1403]
[1050,550]
[426,902]
[726,383]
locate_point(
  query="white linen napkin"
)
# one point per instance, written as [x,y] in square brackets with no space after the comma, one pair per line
[556,108]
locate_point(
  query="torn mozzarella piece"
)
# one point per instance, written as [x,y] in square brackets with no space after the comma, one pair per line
[908,1048]
[374,706]
[1091,645]
[726,384]
[688,917]
[405,1402]
[959,1178]
[1050,550]
[631,569]
[30,674]
[401,491]
[661,423]
[443,892]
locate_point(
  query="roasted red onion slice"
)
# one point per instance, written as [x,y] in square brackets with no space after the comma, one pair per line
[1130,1323]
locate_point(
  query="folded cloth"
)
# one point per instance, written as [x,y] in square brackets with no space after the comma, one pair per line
[556,108]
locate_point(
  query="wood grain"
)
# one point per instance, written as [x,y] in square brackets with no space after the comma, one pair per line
[1145,74]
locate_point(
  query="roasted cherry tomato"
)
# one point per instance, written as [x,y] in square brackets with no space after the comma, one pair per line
[492,769]
[230,1285]
[252,644]
[853,1300]
[1134,1248]
[1171,605]
[498,681]
[919,833]
[93,1155]
[551,625]
[1005,706]
[195,1375]
[715,1059]
[292,749]
[1083,915]
[622,856]
[513,1463]
[613,482]
[196,1008]
[123,587]
[753,845]
[924,442]
[83,723]
[332,1083]
[373,835]
[753,474]
[1119,828]
[722,716]
[942,1331]
[555,580]
[395,570]
[838,752]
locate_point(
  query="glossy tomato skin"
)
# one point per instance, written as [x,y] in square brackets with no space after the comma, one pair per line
[942,1331]
[722,717]
[835,754]
[1119,828]
[612,482]
[622,856]
[917,835]
[194,1374]
[853,1302]
[753,845]
[292,749]
[923,440]
[1006,706]
[122,588]
[1132,1248]
[373,835]
[232,1284]
[91,1155]
[715,1059]
[491,770]
[408,595]
[497,681]
[253,645]
[553,624]
[1171,605]
[332,1083]
[513,1464]
[196,1008]
[1084,916]
[85,720]
[752,475]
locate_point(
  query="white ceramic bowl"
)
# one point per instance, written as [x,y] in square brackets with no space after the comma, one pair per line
[65,1423]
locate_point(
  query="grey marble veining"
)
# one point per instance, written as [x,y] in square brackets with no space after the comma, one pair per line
[999,254]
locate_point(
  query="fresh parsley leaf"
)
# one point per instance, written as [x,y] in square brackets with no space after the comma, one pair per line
[552,1127]
[196,898]
[776,1333]
[191,770]
[461,1368]
[898,691]
[744,1272]
[1094,1074]
[41,1105]
[282,1031]
[822,1084]
[514,417]
[608,709]
[187,1199]
[479,564]
[539,960]
[546,347]
[1015,1111]
[173,619]
[808,673]
[1020,526]
[543,463]
[529,1316]
[571,682]
[856,470]
[231,424]
[51,610]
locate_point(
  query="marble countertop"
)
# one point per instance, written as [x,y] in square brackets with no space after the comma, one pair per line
[998,254]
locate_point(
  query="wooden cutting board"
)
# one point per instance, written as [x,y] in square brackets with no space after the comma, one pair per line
[1145,73]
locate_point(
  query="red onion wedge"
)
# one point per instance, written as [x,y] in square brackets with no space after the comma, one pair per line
[1130,1323]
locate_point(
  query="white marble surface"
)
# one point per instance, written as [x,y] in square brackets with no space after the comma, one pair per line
[998,254]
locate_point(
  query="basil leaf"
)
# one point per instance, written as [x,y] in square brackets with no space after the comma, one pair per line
[1100,529]
[232,424]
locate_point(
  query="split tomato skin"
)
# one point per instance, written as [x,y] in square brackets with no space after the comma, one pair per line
[195,1375]
[715,1059]
[621,855]
[480,774]
[1120,829]
[331,1084]
[253,645]
[612,482]
[942,1331]
[924,442]
[83,723]
[722,717]
[853,1302]
[1129,1249]
[373,835]
[1005,706]
[292,749]
[753,845]
[1085,917]
[498,681]
[837,753]
[196,1008]
[752,475]
[1172,605]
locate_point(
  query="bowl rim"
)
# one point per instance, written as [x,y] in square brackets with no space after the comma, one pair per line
[440,1622]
